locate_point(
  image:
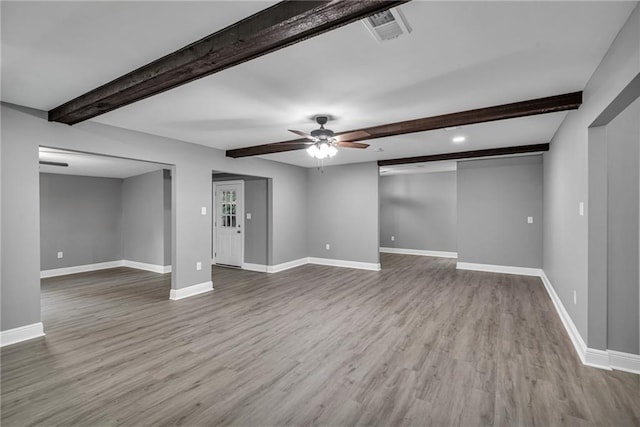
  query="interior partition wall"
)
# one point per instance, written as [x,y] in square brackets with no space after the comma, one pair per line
[614,225]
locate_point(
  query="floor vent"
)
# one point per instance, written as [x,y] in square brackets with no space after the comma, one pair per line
[387,25]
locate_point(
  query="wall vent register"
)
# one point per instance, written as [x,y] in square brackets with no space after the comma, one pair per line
[387,25]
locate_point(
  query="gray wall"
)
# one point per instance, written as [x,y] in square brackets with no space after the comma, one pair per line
[288,219]
[81,217]
[23,129]
[143,218]
[255,249]
[623,141]
[343,211]
[255,229]
[20,293]
[566,175]
[495,197]
[419,210]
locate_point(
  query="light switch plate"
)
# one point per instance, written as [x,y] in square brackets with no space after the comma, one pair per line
[529,220]
[248,215]
[60,254]
[198,265]
[203,210]
[581,208]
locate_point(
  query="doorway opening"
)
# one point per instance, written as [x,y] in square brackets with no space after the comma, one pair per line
[105,232]
[241,228]
[418,209]
[228,223]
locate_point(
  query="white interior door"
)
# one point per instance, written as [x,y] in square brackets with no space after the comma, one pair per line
[229,233]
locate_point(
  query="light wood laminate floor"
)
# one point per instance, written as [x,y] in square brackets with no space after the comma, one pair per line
[418,343]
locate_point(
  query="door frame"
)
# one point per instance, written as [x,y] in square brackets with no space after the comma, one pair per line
[214,218]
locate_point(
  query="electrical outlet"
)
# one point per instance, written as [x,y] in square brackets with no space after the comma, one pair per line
[327,246]
[60,255]
[198,265]
[529,220]
[393,238]
[575,297]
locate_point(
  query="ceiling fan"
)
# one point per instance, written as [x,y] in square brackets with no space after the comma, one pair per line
[322,143]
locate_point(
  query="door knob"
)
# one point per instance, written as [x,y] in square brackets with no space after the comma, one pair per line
[238,231]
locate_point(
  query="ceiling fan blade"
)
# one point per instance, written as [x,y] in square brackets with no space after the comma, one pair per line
[347,144]
[278,147]
[352,136]
[305,135]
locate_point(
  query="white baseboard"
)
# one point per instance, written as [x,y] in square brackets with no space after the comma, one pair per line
[162,269]
[322,261]
[602,359]
[287,265]
[624,361]
[261,268]
[596,358]
[80,268]
[190,291]
[348,264]
[504,269]
[23,333]
[420,252]
[574,335]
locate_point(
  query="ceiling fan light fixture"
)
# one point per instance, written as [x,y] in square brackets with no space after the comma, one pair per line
[322,150]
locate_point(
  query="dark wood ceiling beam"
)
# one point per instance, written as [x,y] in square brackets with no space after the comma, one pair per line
[532,107]
[550,104]
[47,163]
[276,147]
[274,28]
[522,149]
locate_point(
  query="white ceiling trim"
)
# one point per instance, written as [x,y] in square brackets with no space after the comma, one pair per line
[87,164]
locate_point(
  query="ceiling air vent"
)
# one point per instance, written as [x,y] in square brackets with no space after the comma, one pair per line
[387,25]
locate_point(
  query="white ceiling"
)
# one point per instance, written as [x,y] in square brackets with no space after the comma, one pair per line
[94,165]
[460,55]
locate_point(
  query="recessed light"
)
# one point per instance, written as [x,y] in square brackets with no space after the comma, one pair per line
[459,139]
